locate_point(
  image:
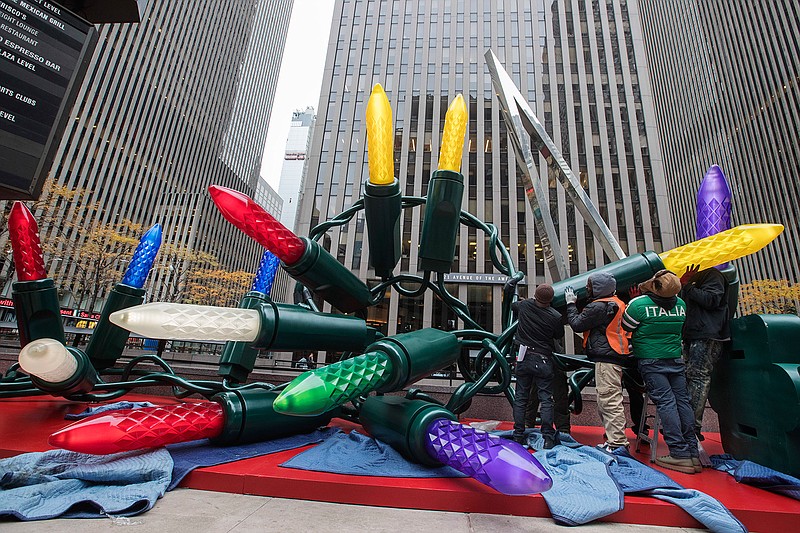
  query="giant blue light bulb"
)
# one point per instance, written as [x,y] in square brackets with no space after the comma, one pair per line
[143,258]
[267,270]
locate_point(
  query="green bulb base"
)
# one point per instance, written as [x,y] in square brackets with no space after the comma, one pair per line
[250,417]
[382,209]
[437,245]
[403,424]
[329,279]
[108,340]
[38,312]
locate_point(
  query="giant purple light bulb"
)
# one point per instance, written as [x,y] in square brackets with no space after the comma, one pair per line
[713,205]
[501,464]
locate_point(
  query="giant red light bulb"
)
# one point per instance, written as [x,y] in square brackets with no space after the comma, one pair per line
[24,234]
[241,211]
[148,427]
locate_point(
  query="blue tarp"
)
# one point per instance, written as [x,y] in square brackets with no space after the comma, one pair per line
[758,475]
[58,483]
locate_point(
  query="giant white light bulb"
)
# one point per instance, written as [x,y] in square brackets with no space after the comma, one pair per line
[184,322]
[48,360]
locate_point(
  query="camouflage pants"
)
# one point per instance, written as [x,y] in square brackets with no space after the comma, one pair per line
[700,357]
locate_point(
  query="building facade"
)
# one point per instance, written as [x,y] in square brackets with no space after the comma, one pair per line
[583,69]
[167,108]
[726,85]
[294,163]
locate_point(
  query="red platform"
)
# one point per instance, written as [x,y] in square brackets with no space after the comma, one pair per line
[26,423]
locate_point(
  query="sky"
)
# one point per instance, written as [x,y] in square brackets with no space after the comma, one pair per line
[300,77]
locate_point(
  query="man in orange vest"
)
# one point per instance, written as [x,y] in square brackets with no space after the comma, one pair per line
[608,346]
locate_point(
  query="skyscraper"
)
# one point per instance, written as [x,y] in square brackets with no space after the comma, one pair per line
[726,84]
[294,163]
[581,66]
[168,107]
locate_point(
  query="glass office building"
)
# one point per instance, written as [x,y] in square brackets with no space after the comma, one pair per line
[167,108]
[726,83]
[583,69]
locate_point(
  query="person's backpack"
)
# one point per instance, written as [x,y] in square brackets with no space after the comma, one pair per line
[618,338]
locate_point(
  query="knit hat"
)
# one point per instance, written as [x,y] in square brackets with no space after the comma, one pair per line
[544,294]
[603,284]
[665,284]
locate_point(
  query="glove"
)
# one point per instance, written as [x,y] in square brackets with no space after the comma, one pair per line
[569,296]
[689,274]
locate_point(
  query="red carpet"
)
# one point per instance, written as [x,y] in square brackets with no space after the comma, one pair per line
[26,423]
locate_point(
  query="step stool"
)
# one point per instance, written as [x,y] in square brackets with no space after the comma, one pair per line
[642,437]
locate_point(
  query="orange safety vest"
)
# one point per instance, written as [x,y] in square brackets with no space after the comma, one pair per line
[618,338]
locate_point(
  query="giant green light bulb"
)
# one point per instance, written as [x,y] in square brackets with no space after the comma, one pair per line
[320,390]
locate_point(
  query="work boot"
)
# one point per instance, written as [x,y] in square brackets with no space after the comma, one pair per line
[520,439]
[698,467]
[549,443]
[679,464]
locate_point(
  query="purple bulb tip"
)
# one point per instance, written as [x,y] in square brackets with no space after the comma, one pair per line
[713,204]
[504,465]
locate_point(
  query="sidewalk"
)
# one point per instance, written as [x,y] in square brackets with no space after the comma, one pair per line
[197,511]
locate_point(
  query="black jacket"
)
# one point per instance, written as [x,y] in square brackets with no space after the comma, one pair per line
[538,326]
[595,317]
[707,313]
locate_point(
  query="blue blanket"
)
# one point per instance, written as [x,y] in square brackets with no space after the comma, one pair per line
[583,490]
[58,483]
[635,477]
[199,453]
[535,439]
[97,409]
[357,454]
[758,475]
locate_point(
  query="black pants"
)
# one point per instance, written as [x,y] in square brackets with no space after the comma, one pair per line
[534,369]
[634,384]
[560,402]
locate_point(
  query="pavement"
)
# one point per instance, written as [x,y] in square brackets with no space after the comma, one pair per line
[188,510]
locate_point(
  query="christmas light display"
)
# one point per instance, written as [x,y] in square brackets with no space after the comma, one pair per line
[429,434]
[305,260]
[445,192]
[35,295]
[233,417]
[382,198]
[388,365]
[268,325]
[57,369]
[108,340]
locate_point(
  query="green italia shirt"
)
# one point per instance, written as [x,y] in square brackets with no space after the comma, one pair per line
[656,331]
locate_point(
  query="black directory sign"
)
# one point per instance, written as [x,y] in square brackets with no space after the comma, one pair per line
[44,53]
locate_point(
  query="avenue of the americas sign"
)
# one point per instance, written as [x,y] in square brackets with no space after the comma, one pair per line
[44,53]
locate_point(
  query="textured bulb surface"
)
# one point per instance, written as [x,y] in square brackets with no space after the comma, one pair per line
[267,269]
[499,463]
[48,360]
[455,126]
[183,322]
[23,232]
[721,247]
[312,393]
[380,138]
[713,203]
[241,211]
[134,429]
[143,258]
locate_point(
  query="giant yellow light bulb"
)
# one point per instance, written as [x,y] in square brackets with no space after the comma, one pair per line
[721,247]
[380,143]
[455,126]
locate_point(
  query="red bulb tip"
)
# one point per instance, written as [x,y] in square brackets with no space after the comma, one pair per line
[24,234]
[134,429]
[241,211]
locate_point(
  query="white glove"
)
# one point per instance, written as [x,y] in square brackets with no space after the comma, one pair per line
[569,296]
